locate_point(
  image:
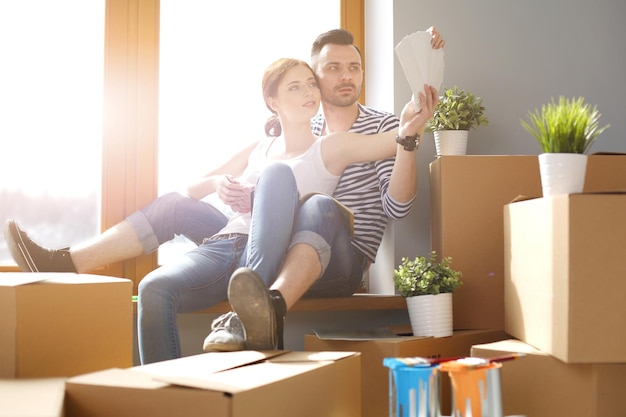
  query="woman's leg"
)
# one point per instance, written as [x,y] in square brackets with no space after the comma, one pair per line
[142,232]
[197,280]
[275,205]
[176,214]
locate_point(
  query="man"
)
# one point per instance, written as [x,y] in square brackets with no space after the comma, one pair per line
[374,192]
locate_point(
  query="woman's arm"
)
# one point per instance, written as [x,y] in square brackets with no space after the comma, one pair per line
[221,179]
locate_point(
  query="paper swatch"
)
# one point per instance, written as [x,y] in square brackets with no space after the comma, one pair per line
[421,63]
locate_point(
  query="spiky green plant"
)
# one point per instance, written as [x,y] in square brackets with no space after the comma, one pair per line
[457,110]
[423,276]
[569,126]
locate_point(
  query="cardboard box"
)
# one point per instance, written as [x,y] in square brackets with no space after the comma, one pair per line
[566,276]
[59,325]
[539,385]
[467,195]
[375,376]
[41,397]
[224,384]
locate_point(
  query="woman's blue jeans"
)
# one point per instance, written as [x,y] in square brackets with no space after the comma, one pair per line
[199,279]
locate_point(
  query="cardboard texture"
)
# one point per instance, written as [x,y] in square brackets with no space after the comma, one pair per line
[566,276]
[540,385]
[224,384]
[375,376]
[40,397]
[63,324]
[467,196]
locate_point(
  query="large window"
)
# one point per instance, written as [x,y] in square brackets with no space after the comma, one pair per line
[51,118]
[212,57]
[63,135]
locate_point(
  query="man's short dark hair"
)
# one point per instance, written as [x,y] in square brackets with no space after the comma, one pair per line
[333,37]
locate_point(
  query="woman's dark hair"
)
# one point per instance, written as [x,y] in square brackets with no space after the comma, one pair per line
[272,77]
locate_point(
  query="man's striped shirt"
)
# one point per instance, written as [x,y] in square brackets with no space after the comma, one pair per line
[363,187]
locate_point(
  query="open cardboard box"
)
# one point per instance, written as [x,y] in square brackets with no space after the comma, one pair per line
[63,324]
[224,384]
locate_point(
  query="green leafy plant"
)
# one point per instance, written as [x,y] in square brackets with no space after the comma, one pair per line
[457,110]
[423,276]
[569,126]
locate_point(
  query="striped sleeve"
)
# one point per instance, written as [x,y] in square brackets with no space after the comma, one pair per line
[364,187]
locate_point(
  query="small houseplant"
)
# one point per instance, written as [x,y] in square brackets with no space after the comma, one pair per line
[565,130]
[427,286]
[569,126]
[457,112]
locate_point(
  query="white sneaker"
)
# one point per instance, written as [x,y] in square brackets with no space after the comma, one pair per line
[226,334]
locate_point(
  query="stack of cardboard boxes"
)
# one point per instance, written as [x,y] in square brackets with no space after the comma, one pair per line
[66,349]
[54,326]
[548,271]
[541,276]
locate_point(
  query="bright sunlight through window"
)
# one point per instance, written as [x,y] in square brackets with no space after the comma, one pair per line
[212,59]
[51,79]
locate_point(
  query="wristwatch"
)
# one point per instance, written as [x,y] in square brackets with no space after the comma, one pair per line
[410,143]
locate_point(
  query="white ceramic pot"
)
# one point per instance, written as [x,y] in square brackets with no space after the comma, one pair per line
[562,173]
[451,142]
[431,315]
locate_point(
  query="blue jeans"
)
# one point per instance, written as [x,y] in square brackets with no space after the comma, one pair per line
[175,214]
[199,279]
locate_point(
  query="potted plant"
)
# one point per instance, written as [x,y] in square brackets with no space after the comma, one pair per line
[427,286]
[458,111]
[565,130]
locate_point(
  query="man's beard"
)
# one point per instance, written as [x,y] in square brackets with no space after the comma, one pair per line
[341,100]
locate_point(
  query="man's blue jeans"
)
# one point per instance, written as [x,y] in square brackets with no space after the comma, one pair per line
[199,279]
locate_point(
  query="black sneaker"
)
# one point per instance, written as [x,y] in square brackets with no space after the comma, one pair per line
[31,257]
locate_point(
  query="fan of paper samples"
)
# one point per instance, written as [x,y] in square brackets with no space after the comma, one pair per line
[421,63]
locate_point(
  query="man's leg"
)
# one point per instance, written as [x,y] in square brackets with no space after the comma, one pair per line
[142,232]
[318,222]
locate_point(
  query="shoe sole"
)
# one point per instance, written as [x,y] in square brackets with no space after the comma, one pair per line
[18,248]
[250,299]
[222,347]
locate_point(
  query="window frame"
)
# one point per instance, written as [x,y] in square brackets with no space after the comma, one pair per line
[130,115]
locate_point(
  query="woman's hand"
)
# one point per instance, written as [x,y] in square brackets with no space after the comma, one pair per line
[235,194]
[413,122]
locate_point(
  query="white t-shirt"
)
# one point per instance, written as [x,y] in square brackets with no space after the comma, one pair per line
[309,171]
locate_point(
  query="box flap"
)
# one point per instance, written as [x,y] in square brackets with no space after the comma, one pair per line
[208,378]
[355,334]
[116,377]
[362,335]
[199,366]
[84,279]
[257,374]
[311,357]
[504,347]
[14,279]
[32,397]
